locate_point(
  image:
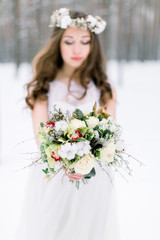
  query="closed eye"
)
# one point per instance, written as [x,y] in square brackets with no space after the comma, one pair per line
[68,43]
[85,43]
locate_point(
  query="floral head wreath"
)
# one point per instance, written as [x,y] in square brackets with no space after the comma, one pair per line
[61,18]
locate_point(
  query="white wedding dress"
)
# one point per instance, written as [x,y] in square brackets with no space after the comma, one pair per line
[58,211]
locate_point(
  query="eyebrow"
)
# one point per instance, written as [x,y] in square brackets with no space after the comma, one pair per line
[72,37]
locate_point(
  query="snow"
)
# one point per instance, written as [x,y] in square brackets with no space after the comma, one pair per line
[137,86]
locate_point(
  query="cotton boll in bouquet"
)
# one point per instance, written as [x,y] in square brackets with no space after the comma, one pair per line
[75,142]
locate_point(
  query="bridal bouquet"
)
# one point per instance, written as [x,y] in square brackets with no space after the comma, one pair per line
[76,142]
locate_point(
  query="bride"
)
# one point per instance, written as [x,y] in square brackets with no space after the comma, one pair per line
[69,72]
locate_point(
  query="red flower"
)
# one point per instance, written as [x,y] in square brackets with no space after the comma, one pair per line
[51,124]
[56,158]
[77,135]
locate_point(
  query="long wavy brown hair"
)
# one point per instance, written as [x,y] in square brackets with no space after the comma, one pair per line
[48,62]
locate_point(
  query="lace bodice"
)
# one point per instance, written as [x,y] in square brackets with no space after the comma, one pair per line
[60,96]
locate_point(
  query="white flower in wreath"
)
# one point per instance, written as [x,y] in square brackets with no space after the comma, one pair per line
[100,25]
[91,20]
[107,153]
[92,122]
[80,23]
[65,22]
[61,18]
[64,11]
[85,164]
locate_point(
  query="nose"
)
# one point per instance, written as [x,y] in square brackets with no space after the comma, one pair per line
[77,49]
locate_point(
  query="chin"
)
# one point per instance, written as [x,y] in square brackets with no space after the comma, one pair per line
[76,64]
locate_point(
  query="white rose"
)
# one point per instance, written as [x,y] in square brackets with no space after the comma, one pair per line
[76,123]
[85,164]
[65,22]
[107,153]
[92,122]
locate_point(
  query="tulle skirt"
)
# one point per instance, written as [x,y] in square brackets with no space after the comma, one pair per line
[57,211]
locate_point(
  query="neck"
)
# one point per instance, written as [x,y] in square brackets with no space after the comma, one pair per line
[67,70]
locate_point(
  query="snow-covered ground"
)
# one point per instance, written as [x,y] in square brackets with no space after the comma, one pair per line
[138,98]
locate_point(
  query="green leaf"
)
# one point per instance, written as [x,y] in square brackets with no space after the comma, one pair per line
[100,117]
[52,169]
[107,132]
[61,139]
[45,170]
[92,114]
[79,113]
[91,174]
[96,127]
[42,124]
[97,153]
[83,130]
[80,140]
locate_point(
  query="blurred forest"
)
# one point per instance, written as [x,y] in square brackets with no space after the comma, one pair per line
[132,33]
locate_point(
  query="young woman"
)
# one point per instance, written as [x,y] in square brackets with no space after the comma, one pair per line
[69,72]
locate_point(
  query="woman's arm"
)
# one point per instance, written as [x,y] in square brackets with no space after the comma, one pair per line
[39,114]
[111,104]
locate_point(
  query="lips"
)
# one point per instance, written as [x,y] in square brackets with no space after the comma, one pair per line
[76,58]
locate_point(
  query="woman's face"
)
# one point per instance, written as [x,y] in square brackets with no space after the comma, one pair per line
[75,46]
